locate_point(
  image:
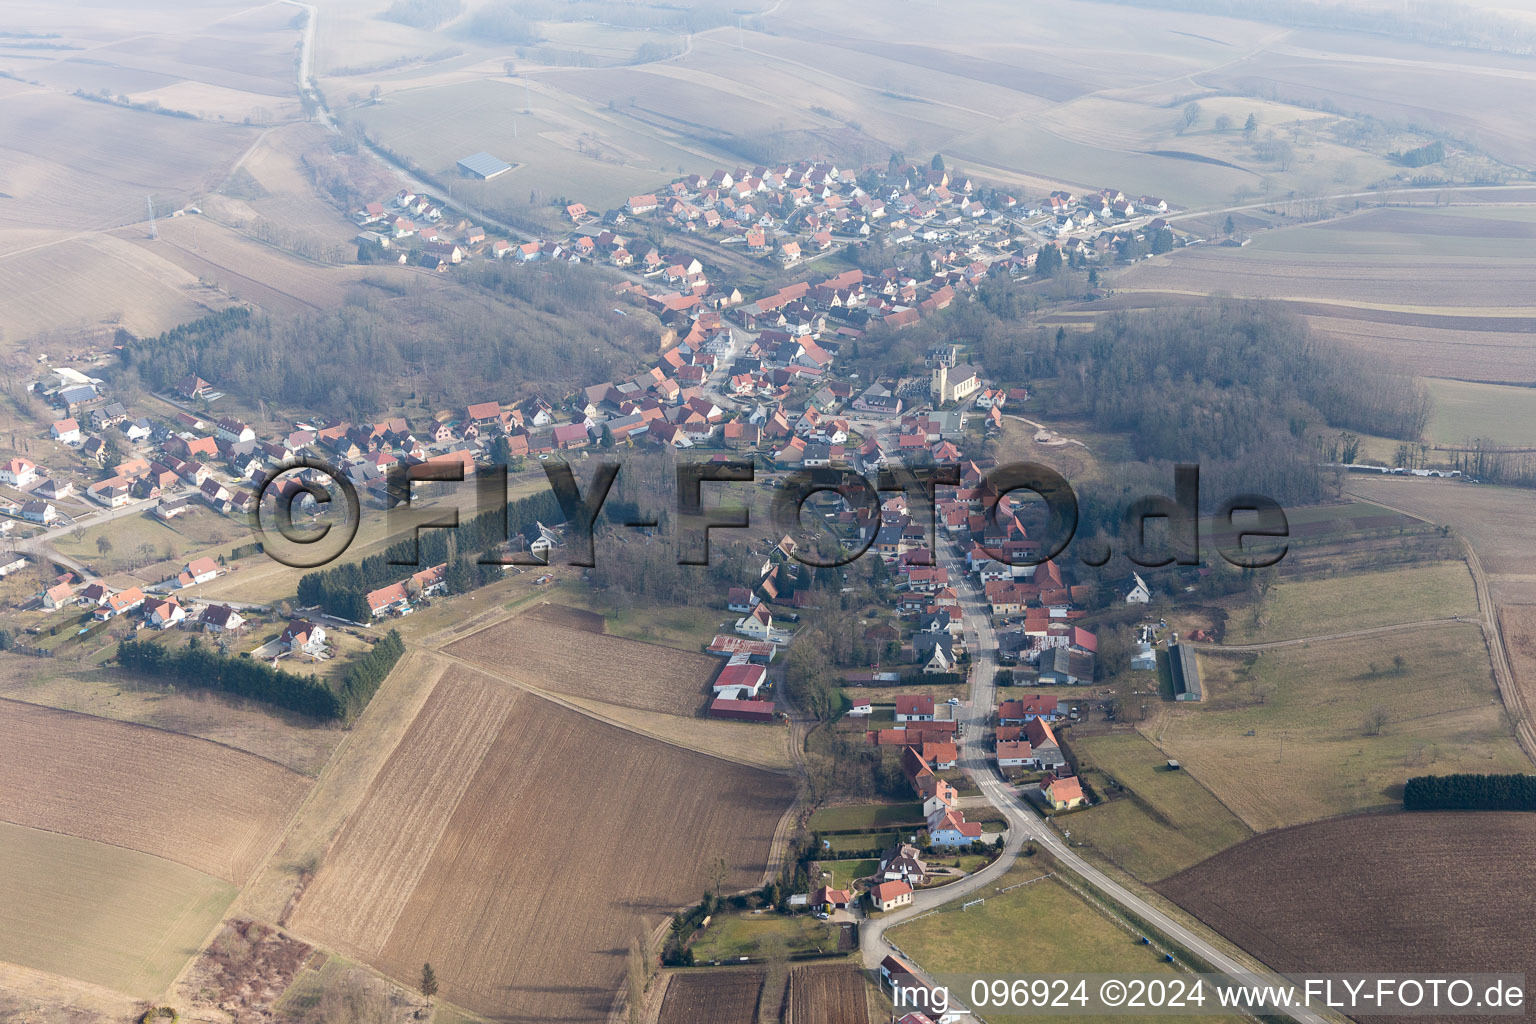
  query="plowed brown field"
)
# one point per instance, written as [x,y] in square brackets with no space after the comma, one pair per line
[519,847]
[827,995]
[1427,892]
[712,997]
[550,655]
[188,800]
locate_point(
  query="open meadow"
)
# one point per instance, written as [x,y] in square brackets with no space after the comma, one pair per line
[1041,927]
[503,814]
[547,655]
[1159,821]
[1442,892]
[1495,413]
[1325,606]
[188,800]
[1304,732]
[100,913]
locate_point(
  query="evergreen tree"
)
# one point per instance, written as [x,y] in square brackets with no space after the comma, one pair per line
[428,982]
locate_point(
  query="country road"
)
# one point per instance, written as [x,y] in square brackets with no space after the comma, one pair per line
[1025,823]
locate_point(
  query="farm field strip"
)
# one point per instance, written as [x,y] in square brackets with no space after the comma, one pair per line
[827,995]
[1169,823]
[188,800]
[537,925]
[102,914]
[457,726]
[712,997]
[578,663]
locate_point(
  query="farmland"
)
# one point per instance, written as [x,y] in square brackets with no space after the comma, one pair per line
[1498,413]
[1408,285]
[1286,736]
[1041,927]
[190,801]
[1359,600]
[827,995]
[98,281]
[99,913]
[1499,523]
[1166,820]
[1469,910]
[546,655]
[1517,625]
[506,767]
[712,997]
[291,740]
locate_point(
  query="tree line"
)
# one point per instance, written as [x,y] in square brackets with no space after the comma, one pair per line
[341,590]
[1470,792]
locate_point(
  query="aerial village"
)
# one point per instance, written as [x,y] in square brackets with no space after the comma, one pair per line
[751,377]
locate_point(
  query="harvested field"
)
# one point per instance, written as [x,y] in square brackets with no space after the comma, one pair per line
[827,995]
[564,615]
[492,881]
[290,739]
[1467,872]
[712,997]
[101,914]
[457,724]
[552,656]
[95,281]
[247,269]
[1446,294]
[188,800]
[73,163]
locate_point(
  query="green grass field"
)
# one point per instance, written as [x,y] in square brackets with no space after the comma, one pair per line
[1360,600]
[736,935]
[865,816]
[845,872]
[1167,823]
[1039,928]
[1498,413]
[1285,736]
[101,914]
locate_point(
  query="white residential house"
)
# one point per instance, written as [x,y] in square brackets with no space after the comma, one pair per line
[1139,592]
[164,614]
[756,624]
[18,472]
[66,431]
[304,637]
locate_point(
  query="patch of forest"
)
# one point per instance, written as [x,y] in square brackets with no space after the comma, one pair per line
[497,332]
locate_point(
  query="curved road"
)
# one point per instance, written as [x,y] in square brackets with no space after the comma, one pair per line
[1024,822]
